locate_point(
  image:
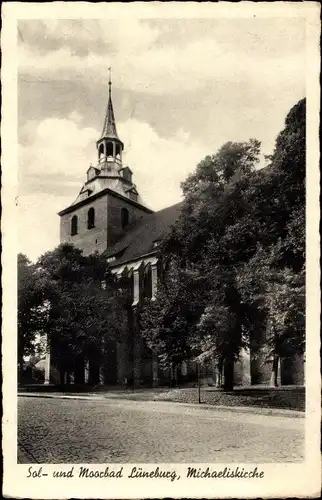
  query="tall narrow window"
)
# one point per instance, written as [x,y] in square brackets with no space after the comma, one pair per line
[124,217]
[101,151]
[91,218]
[109,149]
[118,151]
[74,224]
[147,287]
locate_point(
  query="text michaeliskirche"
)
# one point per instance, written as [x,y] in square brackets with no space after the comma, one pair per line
[159,473]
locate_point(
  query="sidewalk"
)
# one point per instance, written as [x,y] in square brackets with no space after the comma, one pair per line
[146,395]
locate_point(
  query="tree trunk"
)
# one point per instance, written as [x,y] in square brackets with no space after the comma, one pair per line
[220,372]
[93,372]
[62,376]
[79,371]
[275,370]
[199,383]
[229,373]
[173,375]
[20,370]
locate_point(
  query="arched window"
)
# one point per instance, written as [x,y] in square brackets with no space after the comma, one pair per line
[118,151]
[74,224]
[109,149]
[101,151]
[124,217]
[91,218]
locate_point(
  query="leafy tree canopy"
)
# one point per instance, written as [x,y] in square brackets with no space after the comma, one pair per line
[81,306]
[242,230]
[30,317]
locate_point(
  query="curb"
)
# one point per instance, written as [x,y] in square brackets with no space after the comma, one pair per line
[91,397]
[235,409]
[250,409]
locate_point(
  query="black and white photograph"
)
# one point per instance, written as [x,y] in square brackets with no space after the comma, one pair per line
[164,250]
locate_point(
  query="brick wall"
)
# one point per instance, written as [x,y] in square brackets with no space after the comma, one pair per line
[108,226]
[88,240]
[115,206]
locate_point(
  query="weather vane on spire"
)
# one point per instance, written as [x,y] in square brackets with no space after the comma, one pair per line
[110,79]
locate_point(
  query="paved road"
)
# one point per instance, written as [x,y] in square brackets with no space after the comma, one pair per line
[118,431]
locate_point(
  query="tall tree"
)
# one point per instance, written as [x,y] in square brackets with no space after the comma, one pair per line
[168,323]
[81,307]
[197,249]
[233,216]
[30,317]
[279,295]
[273,280]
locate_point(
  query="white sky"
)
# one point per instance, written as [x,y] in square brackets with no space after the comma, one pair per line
[181,89]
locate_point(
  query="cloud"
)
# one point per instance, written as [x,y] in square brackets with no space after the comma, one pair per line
[53,168]
[255,54]
[38,223]
[197,83]
[57,146]
[159,164]
[60,150]
[88,35]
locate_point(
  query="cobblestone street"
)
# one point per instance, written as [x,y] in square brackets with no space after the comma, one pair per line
[119,431]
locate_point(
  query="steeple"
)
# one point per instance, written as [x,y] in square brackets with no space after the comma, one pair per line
[109,146]
[109,171]
[109,129]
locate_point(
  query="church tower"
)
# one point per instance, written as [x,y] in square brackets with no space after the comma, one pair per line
[108,202]
[109,146]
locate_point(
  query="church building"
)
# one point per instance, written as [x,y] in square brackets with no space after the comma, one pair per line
[110,217]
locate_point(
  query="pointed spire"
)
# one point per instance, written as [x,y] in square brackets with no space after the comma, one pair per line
[109,129]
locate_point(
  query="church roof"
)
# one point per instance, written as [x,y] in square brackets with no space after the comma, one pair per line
[100,193]
[141,239]
[109,128]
